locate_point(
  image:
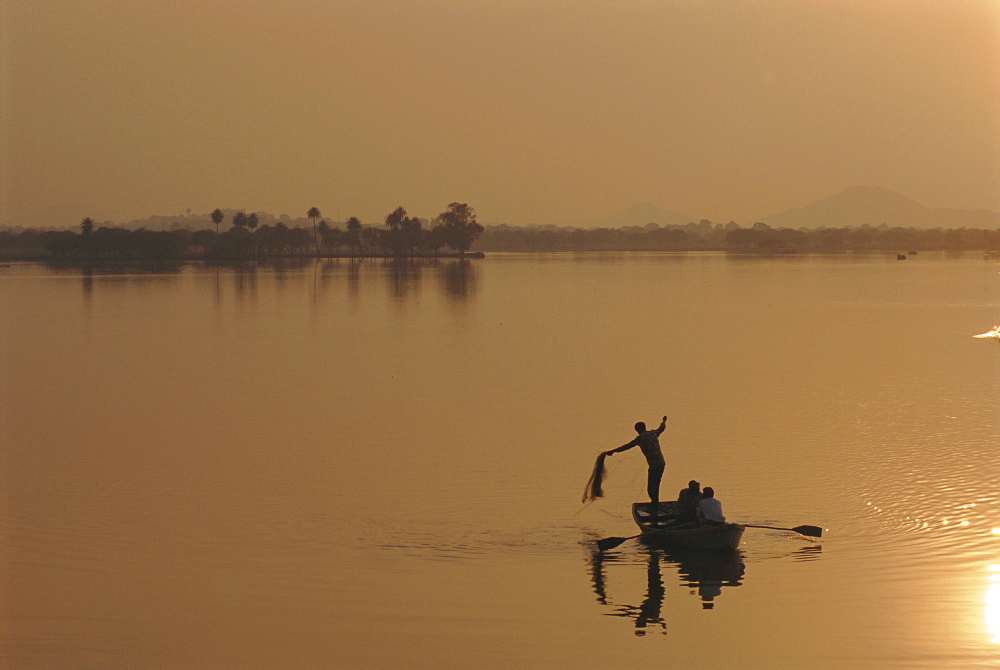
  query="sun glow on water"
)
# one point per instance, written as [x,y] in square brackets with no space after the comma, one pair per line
[992,599]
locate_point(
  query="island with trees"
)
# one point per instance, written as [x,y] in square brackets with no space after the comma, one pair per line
[451,233]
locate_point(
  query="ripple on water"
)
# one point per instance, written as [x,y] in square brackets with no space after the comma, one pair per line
[921,478]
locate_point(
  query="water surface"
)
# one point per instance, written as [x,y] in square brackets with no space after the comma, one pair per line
[346,464]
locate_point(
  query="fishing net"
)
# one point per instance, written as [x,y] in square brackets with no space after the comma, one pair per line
[593,490]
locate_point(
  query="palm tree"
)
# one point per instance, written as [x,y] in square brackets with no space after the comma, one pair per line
[354,232]
[239,220]
[217,217]
[87,226]
[252,221]
[314,214]
[324,236]
[396,236]
[396,218]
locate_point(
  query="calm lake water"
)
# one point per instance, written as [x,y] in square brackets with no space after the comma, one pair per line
[342,465]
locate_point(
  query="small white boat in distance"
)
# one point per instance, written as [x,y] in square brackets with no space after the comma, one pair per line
[992,333]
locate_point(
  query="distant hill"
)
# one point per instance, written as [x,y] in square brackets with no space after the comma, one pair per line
[860,205]
[643,213]
[851,208]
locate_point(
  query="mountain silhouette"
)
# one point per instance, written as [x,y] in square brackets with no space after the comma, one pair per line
[860,205]
[851,208]
[640,214]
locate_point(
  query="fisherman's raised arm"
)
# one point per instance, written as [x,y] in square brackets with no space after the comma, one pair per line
[663,425]
[624,447]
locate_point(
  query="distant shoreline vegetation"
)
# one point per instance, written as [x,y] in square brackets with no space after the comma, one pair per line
[455,232]
[760,238]
[451,233]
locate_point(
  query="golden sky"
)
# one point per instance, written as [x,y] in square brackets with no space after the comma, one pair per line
[544,111]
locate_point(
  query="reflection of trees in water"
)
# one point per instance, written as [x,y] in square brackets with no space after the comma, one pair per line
[354,279]
[98,279]
[88,286]
[458,276]
[706,572]
[455,278]
[459,279]
[404,276]
[245,279]
[327,273]
[217,287]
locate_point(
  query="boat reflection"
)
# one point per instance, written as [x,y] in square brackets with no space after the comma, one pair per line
[706,573]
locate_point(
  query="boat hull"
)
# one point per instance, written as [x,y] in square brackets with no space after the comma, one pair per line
[707,537]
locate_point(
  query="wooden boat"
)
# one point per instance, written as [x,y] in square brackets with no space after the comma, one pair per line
[706,537]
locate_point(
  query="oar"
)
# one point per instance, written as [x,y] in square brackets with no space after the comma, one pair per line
[612,542]
[810,531]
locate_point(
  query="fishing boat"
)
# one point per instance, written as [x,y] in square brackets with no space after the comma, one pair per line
[703,537]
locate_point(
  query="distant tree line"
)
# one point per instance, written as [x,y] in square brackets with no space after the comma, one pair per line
[456,230]
[759,238]
[402,235]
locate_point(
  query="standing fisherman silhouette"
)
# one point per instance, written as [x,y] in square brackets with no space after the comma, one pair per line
[648,441]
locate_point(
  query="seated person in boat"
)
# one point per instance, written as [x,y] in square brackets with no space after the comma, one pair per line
[709,508]
[687,502]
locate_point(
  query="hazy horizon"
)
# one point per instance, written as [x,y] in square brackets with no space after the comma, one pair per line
[851,208]
[542,112]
